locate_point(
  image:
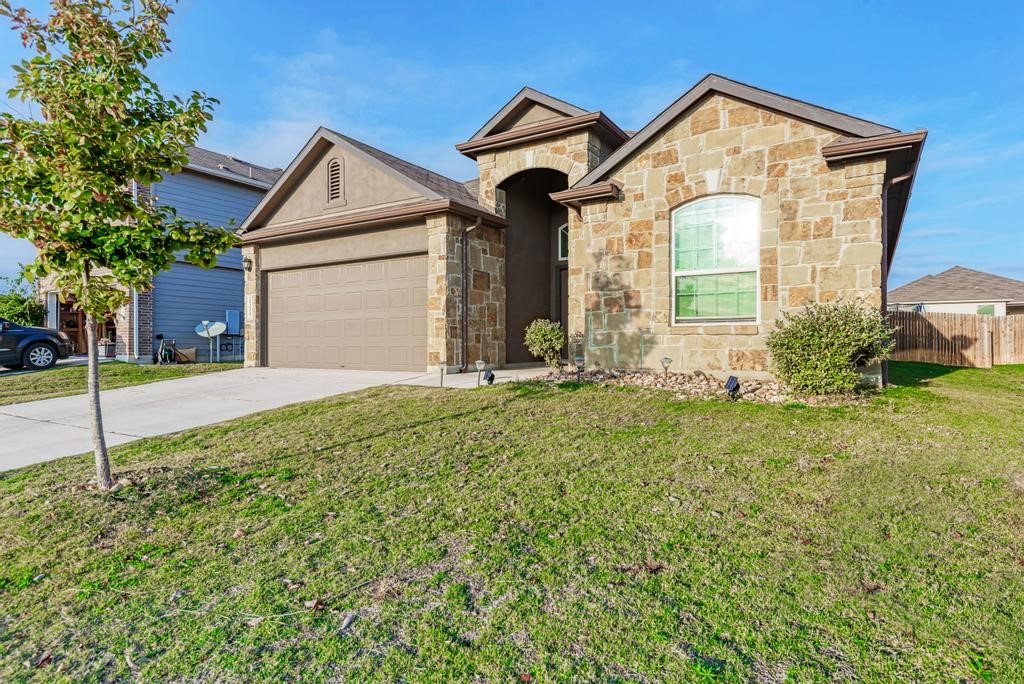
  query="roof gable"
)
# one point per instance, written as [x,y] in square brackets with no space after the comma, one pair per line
[827,118]
[422,183]
[959,284]
[516,112]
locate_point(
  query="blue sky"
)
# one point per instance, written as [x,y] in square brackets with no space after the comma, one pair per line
[416,78]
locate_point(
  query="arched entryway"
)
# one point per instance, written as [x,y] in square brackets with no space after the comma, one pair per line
[536,255]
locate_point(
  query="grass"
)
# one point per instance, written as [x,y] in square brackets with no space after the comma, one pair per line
[537,533]
[63,381]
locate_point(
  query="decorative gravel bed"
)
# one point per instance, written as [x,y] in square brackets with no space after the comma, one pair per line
[697,385]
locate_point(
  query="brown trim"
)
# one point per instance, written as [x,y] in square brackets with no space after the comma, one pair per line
[573,196]
[546,129]
[522,99]
[713,83]
[835,151]
[368,219]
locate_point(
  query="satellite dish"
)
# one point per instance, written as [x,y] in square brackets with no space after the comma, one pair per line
[211,329]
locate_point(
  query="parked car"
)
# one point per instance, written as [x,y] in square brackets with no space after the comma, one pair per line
[28,347]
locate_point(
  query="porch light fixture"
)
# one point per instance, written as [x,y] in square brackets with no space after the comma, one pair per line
[247,263]
[665,363]
[732,386]
[579,361]
[479,369]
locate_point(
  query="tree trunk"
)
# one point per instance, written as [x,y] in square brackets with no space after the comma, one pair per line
[99,442]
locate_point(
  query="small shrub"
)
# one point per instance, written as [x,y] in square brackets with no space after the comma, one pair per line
[18,304]
[820,349]
[545,339]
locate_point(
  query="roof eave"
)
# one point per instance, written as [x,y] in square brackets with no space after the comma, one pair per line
[370,219]
[713,83]
[228,176]
[574,197]
[517,136]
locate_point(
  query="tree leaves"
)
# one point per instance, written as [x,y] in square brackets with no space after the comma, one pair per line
[69,175]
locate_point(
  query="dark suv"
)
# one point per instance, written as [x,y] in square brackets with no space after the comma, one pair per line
[35,348]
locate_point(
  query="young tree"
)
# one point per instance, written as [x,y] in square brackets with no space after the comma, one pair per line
[66,175]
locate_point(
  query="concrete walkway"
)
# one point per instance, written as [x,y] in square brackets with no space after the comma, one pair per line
[44,430]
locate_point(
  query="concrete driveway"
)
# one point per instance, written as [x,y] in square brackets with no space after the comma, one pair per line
[44,430]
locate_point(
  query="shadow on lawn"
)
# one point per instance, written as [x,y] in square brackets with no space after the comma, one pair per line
[914,374]
[524,390]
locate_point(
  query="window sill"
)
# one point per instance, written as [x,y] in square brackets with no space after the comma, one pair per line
[734,326]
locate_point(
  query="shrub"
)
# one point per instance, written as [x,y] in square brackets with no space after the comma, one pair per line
[820,349]
[18,304]
[545,339]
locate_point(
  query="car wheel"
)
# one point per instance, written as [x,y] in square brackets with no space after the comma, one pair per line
[39,356]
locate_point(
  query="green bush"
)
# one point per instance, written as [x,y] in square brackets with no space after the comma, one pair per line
[820,349]
[18,304]
[545,339]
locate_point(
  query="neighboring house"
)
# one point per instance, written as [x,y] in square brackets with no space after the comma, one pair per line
[214,188]
[961,290]
[686,240]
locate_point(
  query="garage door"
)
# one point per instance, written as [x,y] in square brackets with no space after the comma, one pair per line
[368,315]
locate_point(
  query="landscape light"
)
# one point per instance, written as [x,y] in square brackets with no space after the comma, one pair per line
[580,362]
[479,369]
[732,386]
[441,368]
[665,363]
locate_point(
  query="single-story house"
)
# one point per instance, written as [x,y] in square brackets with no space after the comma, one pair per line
[961,290]
[212,187]
[686,239]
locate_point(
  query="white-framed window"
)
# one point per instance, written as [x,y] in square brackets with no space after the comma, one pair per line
[715,259]
[336,181]
[563,242]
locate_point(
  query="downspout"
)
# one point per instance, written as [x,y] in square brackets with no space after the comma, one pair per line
[135,292]
[135,321]
[464,308]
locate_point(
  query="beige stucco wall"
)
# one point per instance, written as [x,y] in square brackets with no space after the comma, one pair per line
[821,237]
[366,186]
[534,114]
[366,244]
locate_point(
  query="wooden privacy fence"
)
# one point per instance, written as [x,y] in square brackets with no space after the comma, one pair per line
[971,340]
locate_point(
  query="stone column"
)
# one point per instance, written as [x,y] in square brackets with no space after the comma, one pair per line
[444,289]
[253,314]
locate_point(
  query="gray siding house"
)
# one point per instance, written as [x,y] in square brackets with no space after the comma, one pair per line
[215,188]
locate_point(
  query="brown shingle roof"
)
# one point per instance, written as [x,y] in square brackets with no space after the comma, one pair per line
[959,284]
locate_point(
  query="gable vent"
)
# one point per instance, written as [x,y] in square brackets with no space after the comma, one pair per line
[335,178]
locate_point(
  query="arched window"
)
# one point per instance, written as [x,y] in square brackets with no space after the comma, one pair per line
[335,180]
[715,258]
[563,242]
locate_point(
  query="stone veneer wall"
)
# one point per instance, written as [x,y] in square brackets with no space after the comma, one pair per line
[821,237]
[486,296]
[444,292]
[253,310]
[575,154]
[444,285]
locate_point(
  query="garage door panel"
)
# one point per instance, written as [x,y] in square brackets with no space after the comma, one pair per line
[367,315]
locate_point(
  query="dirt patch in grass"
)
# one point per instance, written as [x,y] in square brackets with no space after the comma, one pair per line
[585,533]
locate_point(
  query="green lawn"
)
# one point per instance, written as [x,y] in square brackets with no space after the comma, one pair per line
[68,380]
[565,533]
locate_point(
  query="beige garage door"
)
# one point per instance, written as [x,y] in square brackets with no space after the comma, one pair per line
[368,315]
